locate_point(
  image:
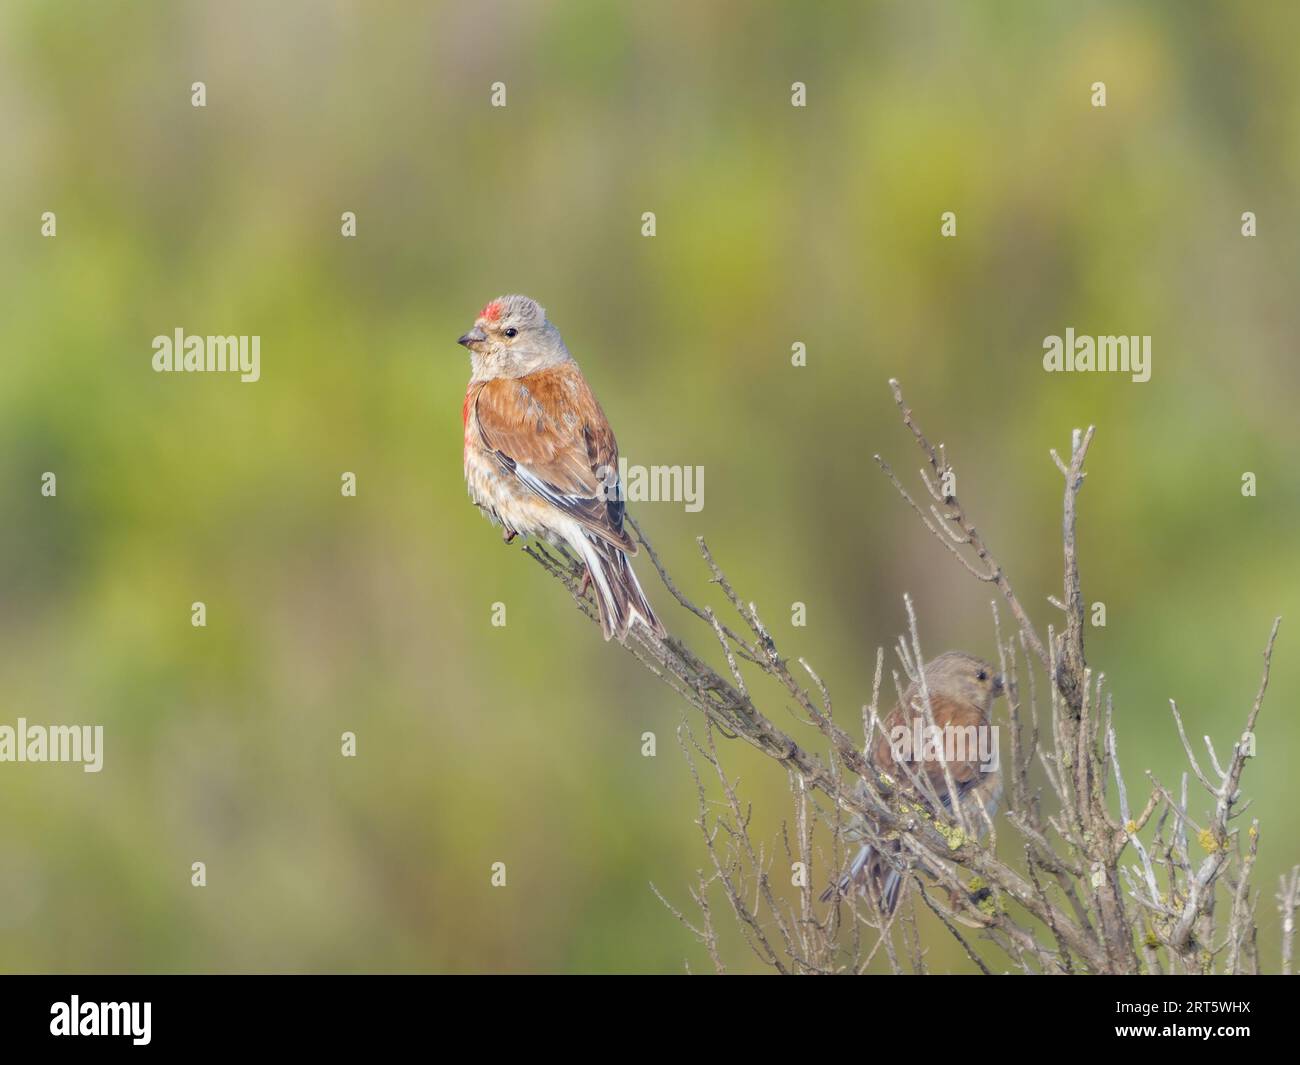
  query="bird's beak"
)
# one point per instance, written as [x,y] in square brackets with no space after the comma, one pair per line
[472,337]
[999,686]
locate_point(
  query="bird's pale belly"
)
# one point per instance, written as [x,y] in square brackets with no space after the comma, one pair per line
[502,498]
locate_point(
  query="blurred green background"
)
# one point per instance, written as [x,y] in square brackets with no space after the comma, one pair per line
[522,744]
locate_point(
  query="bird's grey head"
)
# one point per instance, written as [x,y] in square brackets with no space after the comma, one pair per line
[962,676]
[511,338]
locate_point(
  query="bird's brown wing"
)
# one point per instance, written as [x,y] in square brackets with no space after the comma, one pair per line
[948,711]
[548,430]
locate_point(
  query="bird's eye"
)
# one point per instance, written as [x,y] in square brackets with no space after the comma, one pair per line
[983,674]
[512,332]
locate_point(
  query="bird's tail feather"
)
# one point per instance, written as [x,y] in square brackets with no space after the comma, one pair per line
[868,866]
[619,597]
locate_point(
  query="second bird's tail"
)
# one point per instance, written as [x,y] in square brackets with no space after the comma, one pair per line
[869,867]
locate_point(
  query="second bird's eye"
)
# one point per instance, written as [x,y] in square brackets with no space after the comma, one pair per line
[983,674]
[512,332]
